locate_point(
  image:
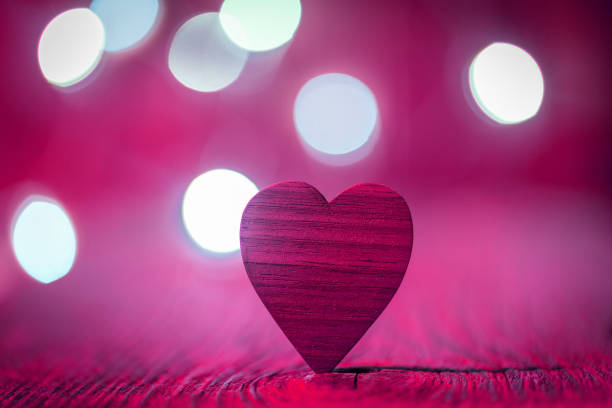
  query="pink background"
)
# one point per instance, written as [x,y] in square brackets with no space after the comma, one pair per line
[511,266]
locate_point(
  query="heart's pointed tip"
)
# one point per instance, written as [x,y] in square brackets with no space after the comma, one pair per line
[323,370]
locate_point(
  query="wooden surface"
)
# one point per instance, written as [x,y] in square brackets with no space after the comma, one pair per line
[325,271]
[505,302]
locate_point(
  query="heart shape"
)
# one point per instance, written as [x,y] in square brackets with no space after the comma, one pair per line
[325,271]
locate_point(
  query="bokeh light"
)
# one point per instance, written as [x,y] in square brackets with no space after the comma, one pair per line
[335,113]
[260,25]
[506,83]
[202,57]
[44,240]
[213,206]
[125,22]
[70,46]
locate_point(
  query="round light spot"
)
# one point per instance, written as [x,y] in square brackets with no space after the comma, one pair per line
[71,46]
[260,25]
[213,206]
[125,22]
[202,57]
[506,83]
[335,113]
[44,241]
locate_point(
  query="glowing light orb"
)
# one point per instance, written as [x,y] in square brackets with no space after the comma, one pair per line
[260,25]
[44,241]
[126,22]
[213,206]
[506,83]
[202,57]
[335,113]
[70,46]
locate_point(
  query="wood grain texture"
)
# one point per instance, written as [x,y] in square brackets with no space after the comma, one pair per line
[325,271]
[393,387]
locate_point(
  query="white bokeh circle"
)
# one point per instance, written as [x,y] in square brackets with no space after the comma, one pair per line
[335,113]
[202,57]
[506,83]
[44,241]
[212,208]
[126,22]
[260,25]
[70,46]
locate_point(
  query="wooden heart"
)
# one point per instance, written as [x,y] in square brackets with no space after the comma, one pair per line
[325,271]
